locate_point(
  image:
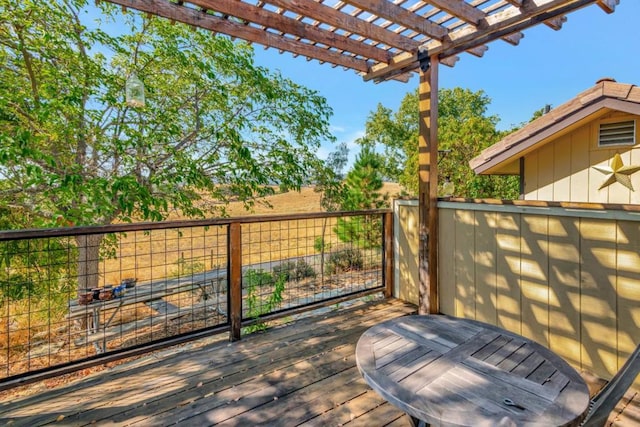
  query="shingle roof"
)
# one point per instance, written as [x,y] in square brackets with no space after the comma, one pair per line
[605,94]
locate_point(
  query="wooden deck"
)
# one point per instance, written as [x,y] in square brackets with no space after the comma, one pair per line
[300,373]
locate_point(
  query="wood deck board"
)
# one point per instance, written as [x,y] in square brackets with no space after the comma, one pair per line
[201,385]
[301,373]
[229,368]
[224,362]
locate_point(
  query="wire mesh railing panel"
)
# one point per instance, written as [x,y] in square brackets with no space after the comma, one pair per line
[36,279]
[294,263]
[69,298]
[78,296]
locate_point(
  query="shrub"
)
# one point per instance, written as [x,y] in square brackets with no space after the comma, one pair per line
[320,245]
[17,287]
[347,259]
[256,304]
[253,278]
[291,270]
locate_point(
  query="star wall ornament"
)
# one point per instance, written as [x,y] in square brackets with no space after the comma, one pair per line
[617,172]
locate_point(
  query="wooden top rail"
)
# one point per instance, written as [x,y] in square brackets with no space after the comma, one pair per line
[544,204]
[148,226]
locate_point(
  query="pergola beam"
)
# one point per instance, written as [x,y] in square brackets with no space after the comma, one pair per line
[395,13]
[510,21]
[461,9]
[267,18]
[556,23]
[331,16]
[505,23]
[380,39]
[513,39]
[200,19]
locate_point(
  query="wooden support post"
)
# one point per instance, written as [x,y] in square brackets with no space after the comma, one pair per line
[388,254]
[428,186]
[234,269]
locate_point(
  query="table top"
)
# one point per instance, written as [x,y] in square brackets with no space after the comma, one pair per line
[458,372]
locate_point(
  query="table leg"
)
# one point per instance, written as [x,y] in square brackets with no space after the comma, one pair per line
[415,422]
[96,330]
[96,320]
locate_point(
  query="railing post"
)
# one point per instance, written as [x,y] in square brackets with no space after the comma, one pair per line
[388,255]
[234,269]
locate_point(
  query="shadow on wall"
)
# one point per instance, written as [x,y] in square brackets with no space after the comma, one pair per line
[568,280]
[406,239]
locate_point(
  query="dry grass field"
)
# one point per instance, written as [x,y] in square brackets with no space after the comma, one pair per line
[169,253]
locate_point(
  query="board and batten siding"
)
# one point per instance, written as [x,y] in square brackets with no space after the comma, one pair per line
[562,170]
[406,239]
[566,278]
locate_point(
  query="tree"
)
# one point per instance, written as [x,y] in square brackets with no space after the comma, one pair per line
[72,152]
[464,129]
[362,191]
[329,182]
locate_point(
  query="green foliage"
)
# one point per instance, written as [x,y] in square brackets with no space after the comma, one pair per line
[256,303]
[214,124]
[257,278]
[291,270]
[320,245]
[362,231]
[464,130]
[16,287]
[364,182]
[35,268]
[72,152]
[345,259]
[329,179]
[362,191]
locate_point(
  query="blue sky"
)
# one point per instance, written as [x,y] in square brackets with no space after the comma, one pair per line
[548,67]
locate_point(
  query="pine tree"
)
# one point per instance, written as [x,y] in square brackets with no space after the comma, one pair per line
[362,191]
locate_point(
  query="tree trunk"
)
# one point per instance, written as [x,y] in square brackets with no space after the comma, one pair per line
[88,261]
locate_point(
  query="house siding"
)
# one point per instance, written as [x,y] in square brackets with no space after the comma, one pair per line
[562,170]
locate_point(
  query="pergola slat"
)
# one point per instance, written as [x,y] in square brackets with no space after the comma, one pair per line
[608,6]
[203,20]
[394,13]
[461,9]
[295,27]
[330,16]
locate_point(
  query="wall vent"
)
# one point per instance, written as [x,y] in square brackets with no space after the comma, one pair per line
[618,133]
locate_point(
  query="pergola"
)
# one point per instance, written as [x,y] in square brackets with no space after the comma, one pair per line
[381,40]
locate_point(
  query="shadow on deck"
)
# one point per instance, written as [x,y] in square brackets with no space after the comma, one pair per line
[300,373]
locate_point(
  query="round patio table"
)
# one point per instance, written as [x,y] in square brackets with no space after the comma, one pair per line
[446,371]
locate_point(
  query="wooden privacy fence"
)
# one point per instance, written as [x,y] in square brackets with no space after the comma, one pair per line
[566,276]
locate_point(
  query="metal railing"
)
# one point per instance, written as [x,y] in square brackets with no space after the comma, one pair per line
[75,297]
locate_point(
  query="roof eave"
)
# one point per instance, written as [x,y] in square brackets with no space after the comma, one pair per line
[487,166]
